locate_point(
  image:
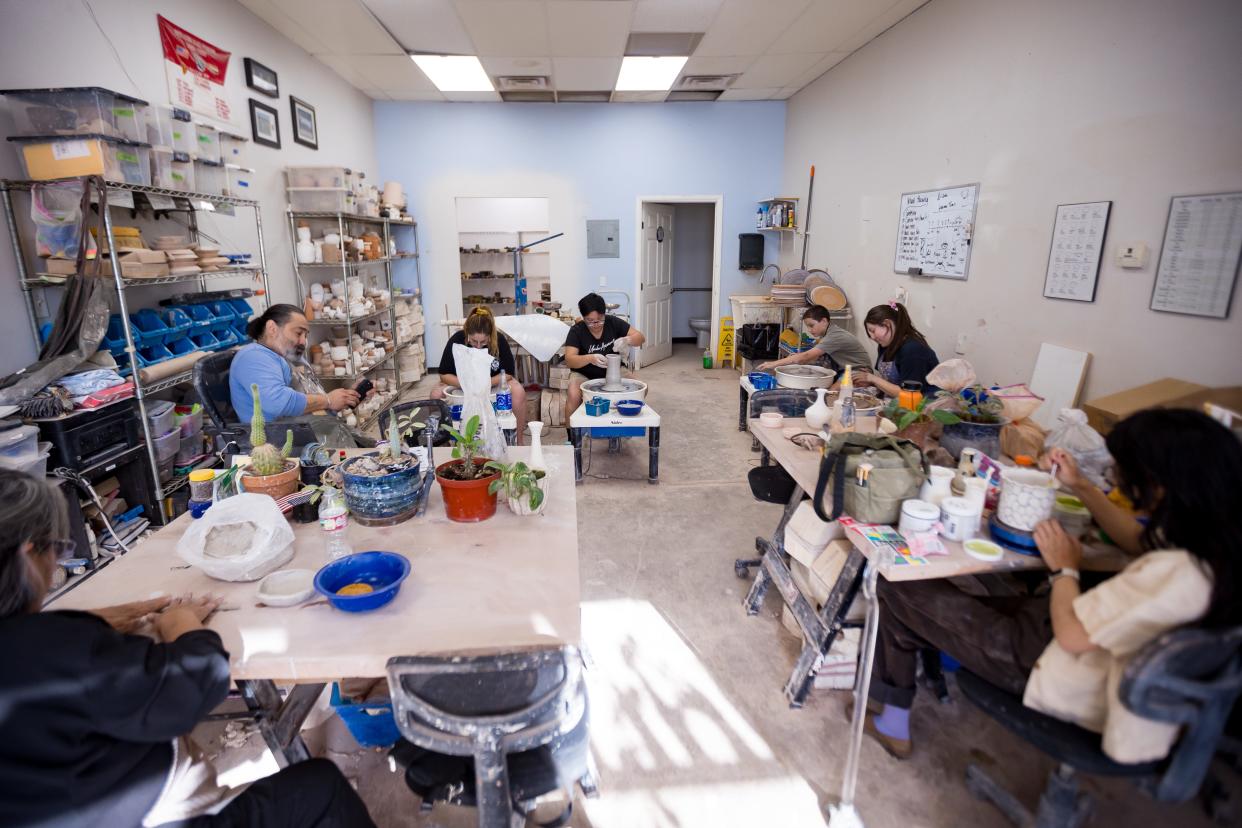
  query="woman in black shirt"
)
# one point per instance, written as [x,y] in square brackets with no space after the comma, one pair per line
[480,332]
[904,355]
[91,716]
[589,342]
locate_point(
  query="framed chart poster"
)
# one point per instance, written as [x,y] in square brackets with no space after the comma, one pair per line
[1200,255]
[1077,247]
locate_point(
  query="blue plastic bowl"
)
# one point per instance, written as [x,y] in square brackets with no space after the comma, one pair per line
[629,408]
[383,570]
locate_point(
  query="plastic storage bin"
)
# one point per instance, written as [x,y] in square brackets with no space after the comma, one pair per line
[226,338]
[209,177]
[239,181]
[34,465]
[241,308]
[189,448]
[185,137]
[122,364]
[161,168]
[223,312]
[178,322]
[160,416]
[114,337]
[164,123]
[167,445]
[78,111]
[150,329]
[189,418]
[336,177]
[370,723]
[181,347]
[155,353]
[207,143]
[234,149]
[204,341]
[320,200]
[48,157]
[19,443]
[200,317]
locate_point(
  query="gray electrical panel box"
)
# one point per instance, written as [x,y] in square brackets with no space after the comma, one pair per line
[603,239]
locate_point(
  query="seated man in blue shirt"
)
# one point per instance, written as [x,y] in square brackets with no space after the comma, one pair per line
[279,336]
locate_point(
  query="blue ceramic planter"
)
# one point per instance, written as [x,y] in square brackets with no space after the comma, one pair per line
[383,500]
[983,436]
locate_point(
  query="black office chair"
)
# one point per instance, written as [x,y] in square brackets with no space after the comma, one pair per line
[1189,677]
[495,732]
[421,410]
[211,383]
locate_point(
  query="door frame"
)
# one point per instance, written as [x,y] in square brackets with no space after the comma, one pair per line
[717,202]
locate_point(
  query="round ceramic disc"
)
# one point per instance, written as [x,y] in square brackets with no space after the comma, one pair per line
[984,550]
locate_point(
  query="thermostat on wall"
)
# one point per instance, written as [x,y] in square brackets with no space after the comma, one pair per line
[1132,255]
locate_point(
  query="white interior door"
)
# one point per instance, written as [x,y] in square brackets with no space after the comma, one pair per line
[657,282]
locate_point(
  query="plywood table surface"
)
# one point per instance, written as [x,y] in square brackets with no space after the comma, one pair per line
[803,466]
[506,584]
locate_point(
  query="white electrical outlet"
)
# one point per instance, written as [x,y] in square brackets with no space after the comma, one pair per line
[962,341]
[903,295]
[1132,255]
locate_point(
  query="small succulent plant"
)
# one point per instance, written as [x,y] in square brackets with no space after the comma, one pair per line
[468,444]
[398,428]
[519,481]
[265,459]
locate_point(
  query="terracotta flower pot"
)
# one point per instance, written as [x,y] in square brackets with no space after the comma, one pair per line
[467,501]
[275,485]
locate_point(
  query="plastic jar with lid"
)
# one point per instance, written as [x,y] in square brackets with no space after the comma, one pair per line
[201,484]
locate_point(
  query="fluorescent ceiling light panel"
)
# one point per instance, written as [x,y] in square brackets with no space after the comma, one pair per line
[648,74]
[454,73]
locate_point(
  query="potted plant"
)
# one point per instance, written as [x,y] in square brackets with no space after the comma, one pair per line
[979,420]
[465,480]
[919,425]
[270,472]
[382,487]
[526,489]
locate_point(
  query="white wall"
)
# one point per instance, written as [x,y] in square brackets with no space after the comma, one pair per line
[693,247]
[1040,103]
[56,43]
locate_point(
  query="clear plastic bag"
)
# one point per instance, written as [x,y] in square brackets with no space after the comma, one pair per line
[952,375]
[1072,434]
[474,372]
[56,210]
[1019,401]
[242,538]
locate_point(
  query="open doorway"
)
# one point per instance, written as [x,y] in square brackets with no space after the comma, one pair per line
[677,277]
[493,274]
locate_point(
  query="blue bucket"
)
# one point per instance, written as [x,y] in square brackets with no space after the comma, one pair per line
[372,724]
[384,571]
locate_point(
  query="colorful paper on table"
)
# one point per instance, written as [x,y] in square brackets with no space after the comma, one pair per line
[881,537]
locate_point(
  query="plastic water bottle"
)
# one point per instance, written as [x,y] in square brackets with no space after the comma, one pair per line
[846,397]
[334,521]
[707,357]
[504,397]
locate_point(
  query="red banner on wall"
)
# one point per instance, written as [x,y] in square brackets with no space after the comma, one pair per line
[195,70]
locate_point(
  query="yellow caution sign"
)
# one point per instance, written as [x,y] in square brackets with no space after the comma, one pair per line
[724,351]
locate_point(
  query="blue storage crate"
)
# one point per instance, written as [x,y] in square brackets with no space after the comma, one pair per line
[114,337]
[178,322]
[204,340]
[226,338]
[149,328]
[181,346]
[122,363]
[239,328]
[241,307]
[155,353]
[201,317]
[224,314]
[372,724]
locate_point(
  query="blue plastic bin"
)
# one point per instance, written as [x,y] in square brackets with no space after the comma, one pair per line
[204,340]
[201,317]
[181,347]
[122,363]
[226,338]
[114,337]
[372,724]
[149,328]
[239,328]
[224,314]
[155,353]
[241,307]
[178,322]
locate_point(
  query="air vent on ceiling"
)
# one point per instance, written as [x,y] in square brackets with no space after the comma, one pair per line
[662,44]
[528,97]
[705,95]
[522,83]
[699,83]
[583,97]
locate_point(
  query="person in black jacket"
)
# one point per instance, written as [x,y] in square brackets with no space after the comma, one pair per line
[904,355]
[91,716]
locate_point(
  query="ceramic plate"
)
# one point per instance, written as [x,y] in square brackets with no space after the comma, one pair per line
[983,550]
[287,587]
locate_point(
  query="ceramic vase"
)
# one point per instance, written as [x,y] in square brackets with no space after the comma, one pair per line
[306,248]
[536,446]
[1026,498]
[817,415]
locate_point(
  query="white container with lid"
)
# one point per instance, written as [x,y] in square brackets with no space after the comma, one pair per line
[19,444]
[917,516]
[959,518]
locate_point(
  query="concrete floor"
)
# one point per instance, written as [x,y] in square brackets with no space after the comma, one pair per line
[689,724]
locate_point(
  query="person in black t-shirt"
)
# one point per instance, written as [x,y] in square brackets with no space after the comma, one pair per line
[591,340]
[904,354]
[480,332]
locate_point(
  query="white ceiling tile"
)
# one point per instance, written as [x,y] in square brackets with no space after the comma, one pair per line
[827,24]
[424,25]
[775,70]
[274,16]
[786,93]
[748,27]
[499,28]
[472,97]
[879,25]
[585,74]
[747,94]
[390,72]
[498,66]
[588,28]
[718,65]
[345,67]
[674,15]
[639,97]
[821,66]
[348,27]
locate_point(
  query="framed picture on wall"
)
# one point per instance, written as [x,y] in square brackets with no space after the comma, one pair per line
[261,79]
[264,124]
[1078,236]
[305,126]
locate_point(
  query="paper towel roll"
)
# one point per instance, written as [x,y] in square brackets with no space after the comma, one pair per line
[169,368]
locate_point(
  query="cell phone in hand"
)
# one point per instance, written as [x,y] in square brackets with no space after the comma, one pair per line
[364,387]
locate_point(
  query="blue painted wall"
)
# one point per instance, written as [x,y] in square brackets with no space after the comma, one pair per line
[592,161]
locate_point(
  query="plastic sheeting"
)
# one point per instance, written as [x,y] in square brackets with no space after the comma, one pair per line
[540,335]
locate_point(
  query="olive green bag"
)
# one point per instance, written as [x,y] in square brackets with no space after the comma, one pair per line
[898,470]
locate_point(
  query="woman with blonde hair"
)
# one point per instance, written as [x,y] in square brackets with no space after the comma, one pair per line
[480,332]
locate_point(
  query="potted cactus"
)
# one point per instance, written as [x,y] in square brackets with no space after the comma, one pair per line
[466,480]
[270,472]
[382,487]
[526,489]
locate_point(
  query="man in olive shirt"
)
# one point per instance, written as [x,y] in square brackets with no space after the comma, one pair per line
[836,346]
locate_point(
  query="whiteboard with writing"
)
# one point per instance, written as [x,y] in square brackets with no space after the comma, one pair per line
[1199,258]
[933,231]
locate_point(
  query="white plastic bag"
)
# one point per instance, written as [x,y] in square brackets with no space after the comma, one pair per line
[1072,434]
[474,372]
[242,538]
[952,375]
[539,334]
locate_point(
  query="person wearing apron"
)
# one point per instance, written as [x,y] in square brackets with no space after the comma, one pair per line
[904,355]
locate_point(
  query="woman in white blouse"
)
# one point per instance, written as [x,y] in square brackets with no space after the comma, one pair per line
[1065,651]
